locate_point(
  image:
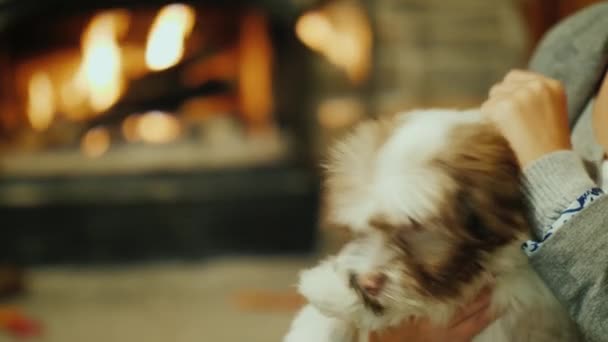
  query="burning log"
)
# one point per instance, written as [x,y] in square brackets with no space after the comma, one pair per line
[167,89]
[167,101]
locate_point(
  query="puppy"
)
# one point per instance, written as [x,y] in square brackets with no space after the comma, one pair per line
[434,202]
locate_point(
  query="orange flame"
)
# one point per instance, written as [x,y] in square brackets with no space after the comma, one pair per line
[157,127]
[255,77]
[315,29]
[95,142]
[129,128]
[100,75]
[165,46]
[341,33]
[41,104]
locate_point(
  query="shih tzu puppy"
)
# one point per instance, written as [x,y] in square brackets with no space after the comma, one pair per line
[433,200]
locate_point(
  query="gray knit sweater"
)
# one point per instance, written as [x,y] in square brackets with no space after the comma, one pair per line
[574,261]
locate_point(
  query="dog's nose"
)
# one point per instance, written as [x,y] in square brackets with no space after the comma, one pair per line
[372,283]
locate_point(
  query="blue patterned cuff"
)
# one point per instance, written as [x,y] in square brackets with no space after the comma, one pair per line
[530,247]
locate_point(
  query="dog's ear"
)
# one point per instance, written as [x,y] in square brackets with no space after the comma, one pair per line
[483,209]
[487,200]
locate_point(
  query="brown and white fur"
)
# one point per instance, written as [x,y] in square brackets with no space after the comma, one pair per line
[433,200]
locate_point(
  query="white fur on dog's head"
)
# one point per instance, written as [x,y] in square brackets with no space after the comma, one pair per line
[383,167]
[433,197]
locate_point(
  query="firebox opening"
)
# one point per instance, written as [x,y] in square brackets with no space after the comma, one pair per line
[187,77]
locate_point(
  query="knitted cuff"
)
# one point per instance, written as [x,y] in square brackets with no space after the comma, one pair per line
[551,184]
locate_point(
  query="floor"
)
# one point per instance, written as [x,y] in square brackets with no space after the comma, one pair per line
[238,299]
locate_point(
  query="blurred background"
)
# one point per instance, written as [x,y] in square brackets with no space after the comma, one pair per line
[159,161]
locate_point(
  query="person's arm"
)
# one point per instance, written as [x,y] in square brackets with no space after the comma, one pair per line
[530,111]
[574,264]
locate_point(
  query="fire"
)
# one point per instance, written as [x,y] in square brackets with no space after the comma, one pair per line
[100,75]
[314,29]
[157,127]
[255,75]
[154,127]
[95,142]
[41,104]
[129,128]
[341,33]
[165,46]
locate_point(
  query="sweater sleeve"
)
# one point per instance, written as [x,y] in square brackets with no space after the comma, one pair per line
[574,261]
[551,184]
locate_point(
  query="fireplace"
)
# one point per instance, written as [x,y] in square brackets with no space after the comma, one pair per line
[133,130]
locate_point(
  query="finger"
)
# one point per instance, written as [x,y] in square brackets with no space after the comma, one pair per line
[490,107]
[463,318]
[499,108]
[521,75]
[500,89]
[475,324]
[481,302]
[393,334]
[556,86]
[511,87]
[529,76]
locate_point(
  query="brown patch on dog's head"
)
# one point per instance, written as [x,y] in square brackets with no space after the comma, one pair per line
[487,202]
[482,211]
[456,205]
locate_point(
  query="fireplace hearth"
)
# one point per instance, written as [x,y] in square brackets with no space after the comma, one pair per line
[143,130]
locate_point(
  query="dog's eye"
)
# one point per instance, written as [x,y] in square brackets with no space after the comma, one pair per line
[414,225]
[400,240]
[402,236]
[382,224]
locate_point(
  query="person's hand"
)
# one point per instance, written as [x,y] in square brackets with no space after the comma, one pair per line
[530,110]
[464,326]
[600,115]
